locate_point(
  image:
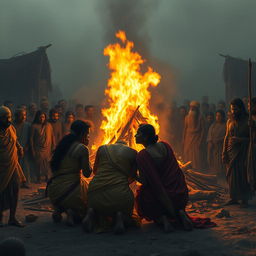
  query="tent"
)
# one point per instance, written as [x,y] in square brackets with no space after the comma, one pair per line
[25,78]
[235,74]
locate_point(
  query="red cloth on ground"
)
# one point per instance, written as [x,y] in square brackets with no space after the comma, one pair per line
[202,222]
[169,179]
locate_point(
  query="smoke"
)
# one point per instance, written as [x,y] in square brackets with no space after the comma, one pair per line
[133,17]
[188,35]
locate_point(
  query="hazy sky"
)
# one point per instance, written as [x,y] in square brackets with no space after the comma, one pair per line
[186,34]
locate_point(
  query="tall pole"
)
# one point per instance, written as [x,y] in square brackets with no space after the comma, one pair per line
[250,175]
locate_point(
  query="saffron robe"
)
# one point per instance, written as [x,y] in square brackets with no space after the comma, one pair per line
[10,171]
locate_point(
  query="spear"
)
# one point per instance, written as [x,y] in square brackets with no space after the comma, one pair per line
[250,149]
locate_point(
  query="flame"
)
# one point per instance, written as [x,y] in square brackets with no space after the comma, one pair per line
[127,90]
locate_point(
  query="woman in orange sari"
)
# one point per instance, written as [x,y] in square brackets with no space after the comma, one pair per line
[163,195]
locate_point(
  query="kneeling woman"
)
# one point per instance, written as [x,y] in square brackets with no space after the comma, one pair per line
[164,194]
[109,194]
[67,189]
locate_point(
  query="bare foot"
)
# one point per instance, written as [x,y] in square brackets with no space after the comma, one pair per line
[88,221]
[70,220]
[167,224]
[186,222]
[16,223]
[119,224]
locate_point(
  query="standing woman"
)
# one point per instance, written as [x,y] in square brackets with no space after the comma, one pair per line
[67,189]
[164,194]
[42,144]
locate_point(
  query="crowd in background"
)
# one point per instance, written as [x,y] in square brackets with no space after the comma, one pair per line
[40,128]
[196,132]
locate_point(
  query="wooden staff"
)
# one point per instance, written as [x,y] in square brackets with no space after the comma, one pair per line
[250,149]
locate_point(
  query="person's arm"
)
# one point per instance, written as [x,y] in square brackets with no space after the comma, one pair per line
[85,162]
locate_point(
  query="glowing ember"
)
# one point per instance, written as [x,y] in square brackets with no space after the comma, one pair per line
[127,89]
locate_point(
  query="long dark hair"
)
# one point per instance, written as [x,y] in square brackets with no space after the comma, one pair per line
[149,131]
[77,129]
[37,117]
[240,104]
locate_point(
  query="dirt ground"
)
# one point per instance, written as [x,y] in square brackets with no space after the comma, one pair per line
[235,235]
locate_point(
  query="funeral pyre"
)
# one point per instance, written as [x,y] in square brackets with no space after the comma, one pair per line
[127,93]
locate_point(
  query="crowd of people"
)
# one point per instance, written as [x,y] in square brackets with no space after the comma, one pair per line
[216,140]
[54,149]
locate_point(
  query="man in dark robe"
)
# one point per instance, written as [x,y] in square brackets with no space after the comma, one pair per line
[23,132]
[235,155]
[194,142]
[10,171]
[56,125]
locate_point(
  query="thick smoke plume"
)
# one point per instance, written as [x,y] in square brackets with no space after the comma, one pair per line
[132,17]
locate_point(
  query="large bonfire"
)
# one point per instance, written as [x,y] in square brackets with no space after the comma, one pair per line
[127,93]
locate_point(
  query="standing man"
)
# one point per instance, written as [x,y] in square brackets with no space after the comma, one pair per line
[235,155]
[23,132]
[10,171]
[194,145]
[56,125]
[42,144]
